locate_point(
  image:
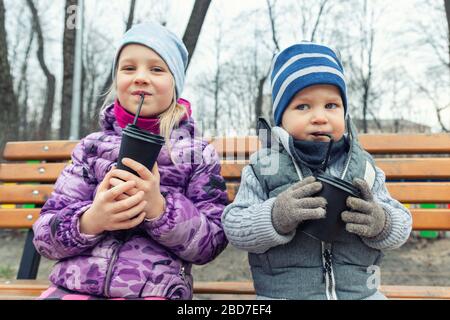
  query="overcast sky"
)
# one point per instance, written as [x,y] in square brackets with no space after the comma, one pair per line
[393,23]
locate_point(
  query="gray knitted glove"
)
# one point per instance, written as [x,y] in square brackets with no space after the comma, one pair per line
[368,218]
[295,205]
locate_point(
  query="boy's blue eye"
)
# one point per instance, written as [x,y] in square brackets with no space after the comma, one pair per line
[302,107]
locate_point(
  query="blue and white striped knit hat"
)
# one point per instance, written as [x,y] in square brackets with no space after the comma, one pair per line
[300,66]
[164,42]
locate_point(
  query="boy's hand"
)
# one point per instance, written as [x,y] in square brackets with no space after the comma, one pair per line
[295,205]
[367,218]
[147,182]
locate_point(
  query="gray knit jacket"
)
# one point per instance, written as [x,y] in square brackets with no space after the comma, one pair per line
[248,220]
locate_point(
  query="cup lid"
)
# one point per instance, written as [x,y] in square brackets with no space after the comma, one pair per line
[134,130]
[339,183]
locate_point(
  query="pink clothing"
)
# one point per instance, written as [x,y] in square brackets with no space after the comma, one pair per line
[150,124]
[55,293]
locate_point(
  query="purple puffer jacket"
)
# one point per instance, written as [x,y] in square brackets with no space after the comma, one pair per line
[154,258]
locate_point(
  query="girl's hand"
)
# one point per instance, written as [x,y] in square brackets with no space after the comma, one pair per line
[108,213]
[147,182]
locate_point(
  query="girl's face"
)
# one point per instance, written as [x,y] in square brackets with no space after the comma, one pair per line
[141,69]
[315,110]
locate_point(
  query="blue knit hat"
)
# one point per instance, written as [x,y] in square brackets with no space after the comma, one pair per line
[164,42]
[300,66]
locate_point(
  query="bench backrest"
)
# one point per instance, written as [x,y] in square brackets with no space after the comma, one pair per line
[417,168]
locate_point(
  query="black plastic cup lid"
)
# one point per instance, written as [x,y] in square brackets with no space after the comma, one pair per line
[339,183]
[144,138]
[138,133]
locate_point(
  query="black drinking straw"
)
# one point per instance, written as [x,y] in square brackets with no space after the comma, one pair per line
[139,109]
[325,164]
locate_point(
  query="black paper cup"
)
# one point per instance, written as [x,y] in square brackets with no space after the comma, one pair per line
[335,191]
[139,145]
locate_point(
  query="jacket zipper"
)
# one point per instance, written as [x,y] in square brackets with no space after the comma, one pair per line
[328,276]
[106,291]
[347,163]
[349,153]
[183,273]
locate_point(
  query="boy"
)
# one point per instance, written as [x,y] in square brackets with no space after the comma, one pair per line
[309,106]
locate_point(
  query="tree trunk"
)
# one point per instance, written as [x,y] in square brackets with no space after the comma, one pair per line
[9,110]
[319,15]
[447,13]
[131,15]
[259,101]
[46,120]
[82,125]
[68,65]
[23,92]
[262,81]
[109,79]
[194,26]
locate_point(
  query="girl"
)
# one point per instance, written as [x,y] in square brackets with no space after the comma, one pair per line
[120,235]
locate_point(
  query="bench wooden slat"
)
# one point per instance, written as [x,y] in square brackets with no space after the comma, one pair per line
[420,192]
[373,143]
[39,150]
[391,291]
[224,287]
[29,288]
[415,292]
[404,168]
[20,218]
[240,147]
[25,193]
[34,288]
[415,168]
[49,172]
[431,219]
[420,168]
[405,192]
[405,143]
[36,172]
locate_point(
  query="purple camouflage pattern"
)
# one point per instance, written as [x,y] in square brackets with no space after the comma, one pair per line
[154,258]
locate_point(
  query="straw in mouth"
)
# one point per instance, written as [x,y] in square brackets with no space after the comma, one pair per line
[139,108]
[325,164]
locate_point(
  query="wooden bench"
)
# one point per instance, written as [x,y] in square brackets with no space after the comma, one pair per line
[417,169]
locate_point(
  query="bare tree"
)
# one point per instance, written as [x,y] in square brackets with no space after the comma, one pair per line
[23,91]
[308,14]
[194,25]
[95,65]
[211,84]
[217,82]
[358,58]
[109,79]
[435,37]
[46,118]
[9,111]
[262,79]
[71,11]
[447,14]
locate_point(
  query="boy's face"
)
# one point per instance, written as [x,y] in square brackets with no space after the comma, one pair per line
[141,69]
[314,110]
